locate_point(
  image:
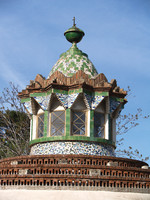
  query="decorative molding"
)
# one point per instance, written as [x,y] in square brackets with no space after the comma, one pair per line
[79,80]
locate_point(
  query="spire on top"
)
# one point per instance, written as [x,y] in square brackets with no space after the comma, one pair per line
[74,21]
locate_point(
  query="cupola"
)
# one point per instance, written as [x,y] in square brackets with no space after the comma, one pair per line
[74,59]
[74,110]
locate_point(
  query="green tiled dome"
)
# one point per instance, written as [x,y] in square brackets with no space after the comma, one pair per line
[72,61]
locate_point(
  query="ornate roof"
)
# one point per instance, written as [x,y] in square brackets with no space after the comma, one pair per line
[72,71]
[74,59]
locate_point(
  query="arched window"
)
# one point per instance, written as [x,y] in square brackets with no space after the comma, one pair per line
[57,117]
[40,123]
[99,123]
[57,121]
[78,122]
[99,120]
[79,116]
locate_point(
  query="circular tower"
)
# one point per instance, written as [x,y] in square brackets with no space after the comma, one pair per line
[73,133]
[74,110]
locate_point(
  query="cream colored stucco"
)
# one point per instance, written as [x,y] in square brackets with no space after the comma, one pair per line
[69,195]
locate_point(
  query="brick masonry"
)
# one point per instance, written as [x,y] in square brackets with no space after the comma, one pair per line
[74,172]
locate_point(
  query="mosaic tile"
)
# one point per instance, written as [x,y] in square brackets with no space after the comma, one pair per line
[63,98]
[85,148]
[113,104]
[96,100]
[71,99]
[28,107]
[72,61]
[43,101]
[93,101]
[67,100]
[88,99]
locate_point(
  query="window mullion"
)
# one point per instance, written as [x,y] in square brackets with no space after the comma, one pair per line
[40,125]
[58,124]
[78,124]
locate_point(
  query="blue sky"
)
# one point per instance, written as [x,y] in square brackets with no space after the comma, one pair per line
[117,41]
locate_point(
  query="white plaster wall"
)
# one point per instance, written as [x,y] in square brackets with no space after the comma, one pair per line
[40,111]
[88,123]
[31,121]
[34,132]
[59,108]
[34,127]
[69,195]
[106,127]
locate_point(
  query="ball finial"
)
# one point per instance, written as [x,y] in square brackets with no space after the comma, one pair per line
[74,34]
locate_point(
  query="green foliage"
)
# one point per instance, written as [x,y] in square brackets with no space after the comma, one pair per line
[14,125]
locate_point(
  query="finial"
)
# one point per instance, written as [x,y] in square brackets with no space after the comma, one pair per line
[74,34]
[74,21]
